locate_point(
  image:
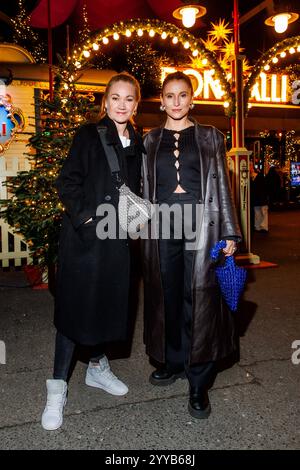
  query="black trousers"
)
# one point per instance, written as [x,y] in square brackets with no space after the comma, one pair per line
[176,264]
[64,351]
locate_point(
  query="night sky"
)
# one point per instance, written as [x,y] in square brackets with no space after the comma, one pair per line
[256,37]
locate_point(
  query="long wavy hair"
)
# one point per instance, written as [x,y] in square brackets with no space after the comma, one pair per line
[120,77]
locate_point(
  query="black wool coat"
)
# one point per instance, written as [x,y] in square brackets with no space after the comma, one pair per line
[93,276]
[213,333]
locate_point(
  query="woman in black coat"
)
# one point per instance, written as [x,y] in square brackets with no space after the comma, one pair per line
[187,325]
[91,302]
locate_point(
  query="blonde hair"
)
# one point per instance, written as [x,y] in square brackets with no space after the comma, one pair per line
[120,77]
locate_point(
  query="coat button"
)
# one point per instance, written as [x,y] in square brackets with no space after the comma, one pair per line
[214,175]
[107,198]
[211,223]
[210,199]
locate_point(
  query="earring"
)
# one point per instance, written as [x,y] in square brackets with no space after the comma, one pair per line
[135,112]
[162,107]
[192,106]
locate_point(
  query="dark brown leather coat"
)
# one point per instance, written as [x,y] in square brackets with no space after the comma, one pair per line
[213,325]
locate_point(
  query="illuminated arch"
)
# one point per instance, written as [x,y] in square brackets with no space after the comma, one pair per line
[136,29]
[15,53]
[278,52]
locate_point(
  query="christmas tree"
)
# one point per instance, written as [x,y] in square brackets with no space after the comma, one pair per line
[34,210]
[26,37]
[144,64]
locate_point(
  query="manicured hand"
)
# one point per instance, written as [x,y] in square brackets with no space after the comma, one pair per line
[230,248]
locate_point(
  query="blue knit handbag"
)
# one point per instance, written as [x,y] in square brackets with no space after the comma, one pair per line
[231,278]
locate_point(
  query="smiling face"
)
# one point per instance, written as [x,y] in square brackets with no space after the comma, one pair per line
[121,102]
[176,98]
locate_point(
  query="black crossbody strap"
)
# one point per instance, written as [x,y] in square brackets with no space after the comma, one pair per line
[110,154]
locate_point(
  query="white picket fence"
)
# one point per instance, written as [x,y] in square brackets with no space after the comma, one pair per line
[12,246]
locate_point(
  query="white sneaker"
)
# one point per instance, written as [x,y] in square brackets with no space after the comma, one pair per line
[52,417]
[101,376]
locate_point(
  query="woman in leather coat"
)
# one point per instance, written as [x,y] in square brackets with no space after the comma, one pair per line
[187,325]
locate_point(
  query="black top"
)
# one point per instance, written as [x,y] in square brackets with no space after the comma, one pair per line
[183,169]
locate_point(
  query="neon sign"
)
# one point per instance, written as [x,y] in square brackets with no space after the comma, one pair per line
[206,86]
[269,88]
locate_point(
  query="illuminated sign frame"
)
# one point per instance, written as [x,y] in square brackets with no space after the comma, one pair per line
[269,90]
[14,116]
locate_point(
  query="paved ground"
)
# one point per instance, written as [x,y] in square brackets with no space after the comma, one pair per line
[255,403]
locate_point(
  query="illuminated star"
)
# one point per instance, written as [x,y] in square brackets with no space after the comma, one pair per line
[196,63]
[246,66]
[225,63]
[220,30]
[210,44]
[228,49]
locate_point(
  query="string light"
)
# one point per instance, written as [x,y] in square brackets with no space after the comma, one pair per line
[84,33]
[165,30]
[272,56]
[23,34]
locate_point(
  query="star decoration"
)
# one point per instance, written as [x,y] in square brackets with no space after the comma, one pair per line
[228,49]
[225,63]
[220,30]
[197,63]
[246,66]
[210,44]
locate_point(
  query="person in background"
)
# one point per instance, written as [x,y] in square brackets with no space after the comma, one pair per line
[187,325]
[92,287]
[273,184]
[259,200]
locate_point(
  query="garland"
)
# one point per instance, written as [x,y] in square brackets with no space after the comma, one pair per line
[137,29]
[292,45]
